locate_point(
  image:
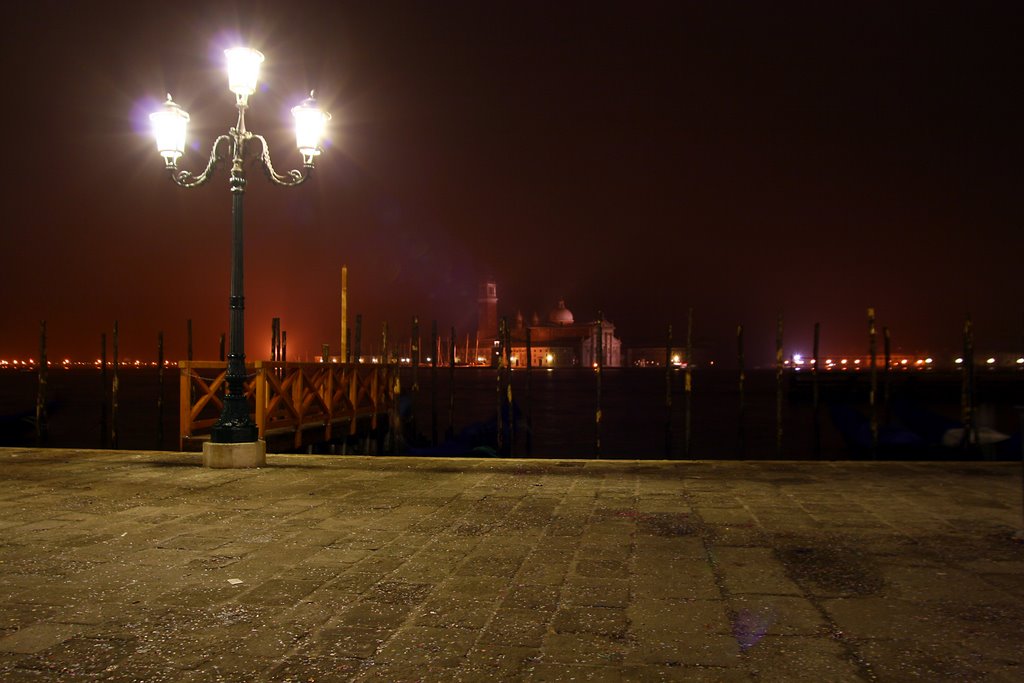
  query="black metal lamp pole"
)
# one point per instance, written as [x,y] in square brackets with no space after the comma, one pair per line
[235,424]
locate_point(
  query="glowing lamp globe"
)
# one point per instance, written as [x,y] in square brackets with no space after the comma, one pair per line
[310,124]
[243,70]
[169,125]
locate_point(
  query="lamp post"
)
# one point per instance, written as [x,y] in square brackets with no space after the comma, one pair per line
[234,439]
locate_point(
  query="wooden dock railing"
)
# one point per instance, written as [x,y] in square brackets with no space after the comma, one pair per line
[308,402]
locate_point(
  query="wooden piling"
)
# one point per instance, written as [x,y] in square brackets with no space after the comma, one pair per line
[385,352]
[778,386]
[741,436]
[275,339]
[529,392]
[325,353]
[415,389]
[511,423]
[284,350]
[41,374]
[114,390]
[967,386]
[220,354]
[357,353]
[433,384]
[598,353]
[344,315]
[103,390]
[688,386]
[886,373]
[500,431]
[815,391]
[668,392]
[873,391]
[450,433]
[160,391]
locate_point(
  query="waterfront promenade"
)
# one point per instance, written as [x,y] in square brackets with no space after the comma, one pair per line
[144,566]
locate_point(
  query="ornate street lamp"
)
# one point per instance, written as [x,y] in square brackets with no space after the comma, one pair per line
[234,441]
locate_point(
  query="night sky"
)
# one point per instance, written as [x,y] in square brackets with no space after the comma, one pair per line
[640,158]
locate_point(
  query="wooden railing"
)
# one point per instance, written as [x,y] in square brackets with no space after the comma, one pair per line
[288,399]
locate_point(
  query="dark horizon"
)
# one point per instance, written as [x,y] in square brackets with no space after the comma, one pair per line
[637,160]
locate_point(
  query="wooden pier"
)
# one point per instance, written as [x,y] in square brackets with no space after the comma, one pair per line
[294,405]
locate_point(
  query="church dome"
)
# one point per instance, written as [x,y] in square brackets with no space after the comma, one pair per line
[560,315]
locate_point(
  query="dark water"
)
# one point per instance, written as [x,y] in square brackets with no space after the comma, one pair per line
[559,408]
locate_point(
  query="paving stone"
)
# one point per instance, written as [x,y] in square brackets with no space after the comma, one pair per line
[802,658]
[38,637]
[116,567]
[516,628]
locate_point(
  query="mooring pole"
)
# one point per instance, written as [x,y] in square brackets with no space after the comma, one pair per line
[507,349]
[358,351]
[688,386]
[114,390]
[815,395]
[599,353]
[668,392]
[967,386]
[778,386]
[741,436]
[103,390]
[415,388]
[450,434]
[500,431]
[41,427]
[873,391]
[433,383]
[160,391]
[529,391]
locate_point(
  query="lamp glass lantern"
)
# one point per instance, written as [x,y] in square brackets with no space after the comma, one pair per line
[310,125]
[243,70]
[169,126]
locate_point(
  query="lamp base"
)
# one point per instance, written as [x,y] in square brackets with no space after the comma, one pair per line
[234,455]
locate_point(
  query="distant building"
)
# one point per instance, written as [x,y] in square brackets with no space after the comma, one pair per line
[558,341]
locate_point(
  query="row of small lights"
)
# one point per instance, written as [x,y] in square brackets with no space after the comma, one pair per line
[68,363]
[799,362]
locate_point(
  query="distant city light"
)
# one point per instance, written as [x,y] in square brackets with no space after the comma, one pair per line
[990,361]
[959,361]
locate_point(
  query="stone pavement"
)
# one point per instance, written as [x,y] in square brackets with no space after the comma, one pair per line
[122,566]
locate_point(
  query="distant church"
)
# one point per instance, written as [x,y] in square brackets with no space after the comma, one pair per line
[558,342]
